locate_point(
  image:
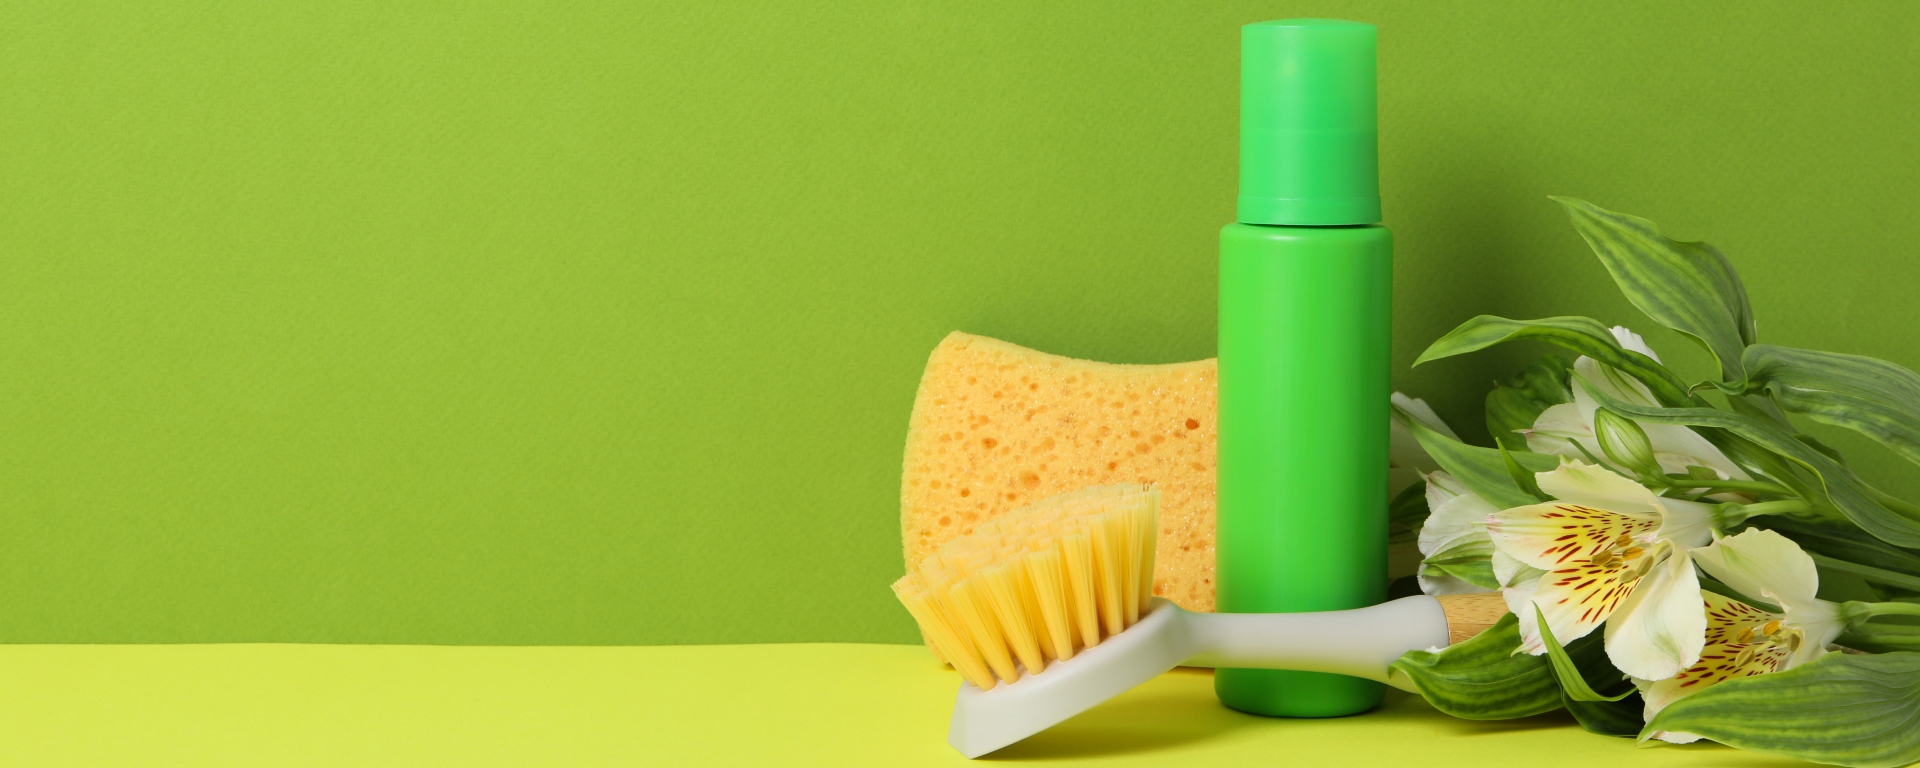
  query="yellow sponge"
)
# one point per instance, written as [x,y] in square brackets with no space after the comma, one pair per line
[997,426]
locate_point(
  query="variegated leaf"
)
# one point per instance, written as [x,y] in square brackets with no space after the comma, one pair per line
[1516,404]
[1840,709]
[1848,493]
[1481,470]
[1483,678]
[1689,287]
[1569,673]
[1584,335]
[1873,397]
[1470,560]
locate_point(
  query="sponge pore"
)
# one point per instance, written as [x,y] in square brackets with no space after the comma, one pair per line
[997,426]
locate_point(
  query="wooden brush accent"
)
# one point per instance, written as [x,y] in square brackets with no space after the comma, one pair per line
[1469,615]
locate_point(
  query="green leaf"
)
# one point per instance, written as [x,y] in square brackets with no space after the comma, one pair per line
[1758,405]
[1584,335]
[1873,397]
[1470,560]
[1516,404]
[1878,642]
[1481,470]
[1482,678]
[1689,287]
[1764,464]
[1844,488]
[1841,587]
[1564,669]
[1623,718]
[1406,513]
[1523,477]
[1814,443]
[1867,572]
[1840,709]
[1476,572]
[1578,668]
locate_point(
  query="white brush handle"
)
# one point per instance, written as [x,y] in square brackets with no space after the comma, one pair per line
[1361,642]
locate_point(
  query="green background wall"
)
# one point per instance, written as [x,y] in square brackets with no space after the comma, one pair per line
[599,323]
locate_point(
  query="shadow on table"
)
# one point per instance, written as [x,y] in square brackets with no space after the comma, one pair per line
[1171,716]
[1142,720]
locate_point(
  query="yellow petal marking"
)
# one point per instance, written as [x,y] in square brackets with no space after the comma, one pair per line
[1581,596]
[1559,534]
[1732,621]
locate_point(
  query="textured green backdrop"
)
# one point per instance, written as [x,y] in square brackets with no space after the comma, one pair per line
[600,322]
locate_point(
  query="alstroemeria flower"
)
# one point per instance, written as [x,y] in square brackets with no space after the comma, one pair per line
[1456,529]
[1741,640]
[1614,554]
[1675,447]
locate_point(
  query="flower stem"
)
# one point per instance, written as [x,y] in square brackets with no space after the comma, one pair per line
[1898,505]
[1879,642]
[1776,507]
[1892,629]
[1890,609]
[1732,515]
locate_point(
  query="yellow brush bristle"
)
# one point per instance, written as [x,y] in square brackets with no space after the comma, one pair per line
[1038,583]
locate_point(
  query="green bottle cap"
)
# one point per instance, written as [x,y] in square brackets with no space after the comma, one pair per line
[1309,135]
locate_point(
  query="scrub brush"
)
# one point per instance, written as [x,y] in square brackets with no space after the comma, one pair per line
[1049,610]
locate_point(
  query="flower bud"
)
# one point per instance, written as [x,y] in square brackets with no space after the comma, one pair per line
[1625,443]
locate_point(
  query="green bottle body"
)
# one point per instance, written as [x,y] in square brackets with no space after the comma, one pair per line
[1305,343]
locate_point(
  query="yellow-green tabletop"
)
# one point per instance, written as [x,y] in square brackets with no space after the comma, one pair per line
[748,705]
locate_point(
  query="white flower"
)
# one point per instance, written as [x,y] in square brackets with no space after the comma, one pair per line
[1741,640]
[1675,447]
[1456,526]
[1615,554]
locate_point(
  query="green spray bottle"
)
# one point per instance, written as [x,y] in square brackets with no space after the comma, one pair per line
[1305,335]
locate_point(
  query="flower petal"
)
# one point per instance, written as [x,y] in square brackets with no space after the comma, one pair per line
[1558,534]
[1510,572]
[1560,421]
[1457,513]
[1819,623]
[1556,429]
[1581,596]
[1686,523]
[1630,340]
[1676,439]
[1727,617]
[1595,486]
[1763,565]
[1666,438]
[1660,627]
[1716,665]
[1519,599]
[1612,381]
